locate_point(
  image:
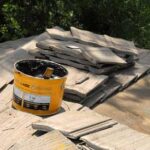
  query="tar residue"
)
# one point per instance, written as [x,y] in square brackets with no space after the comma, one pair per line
[37,68]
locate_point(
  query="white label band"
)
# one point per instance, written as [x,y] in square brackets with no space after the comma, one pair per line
[31,97]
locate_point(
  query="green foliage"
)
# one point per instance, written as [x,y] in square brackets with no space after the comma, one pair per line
[129,19]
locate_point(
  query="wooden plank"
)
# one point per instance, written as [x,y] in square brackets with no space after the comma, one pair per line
[15,43]
[70,121]
[20,50]
[3,82]
[108,89]
[21,53]
[66,57]
[6,97]
[32,44]
[144,59]
[13,52]
[8,62]
[68,62]
[93,129]
[10,46]
[77,85]
[94,55]
[118,137]
[15,125]
[35,52]
[53,140]
[121,45]
[104,69]
[6,94]
[125,80]
[60,34]
[89,82]
[73,123]
[130,75]
[5,77]
[61,47]
[93,99]
[93,69]
[141,69]
[101,55]
[88,37]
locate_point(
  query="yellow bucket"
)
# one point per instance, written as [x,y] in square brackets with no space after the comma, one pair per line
[35,94]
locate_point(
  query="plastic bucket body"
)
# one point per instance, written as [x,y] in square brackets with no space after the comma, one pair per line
[34,94]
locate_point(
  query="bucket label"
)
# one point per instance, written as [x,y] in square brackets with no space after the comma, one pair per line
[18,92]
[31,101]
[36,98]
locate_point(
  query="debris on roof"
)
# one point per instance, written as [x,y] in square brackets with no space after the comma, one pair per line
[68,123]
[86,55]
[93,77]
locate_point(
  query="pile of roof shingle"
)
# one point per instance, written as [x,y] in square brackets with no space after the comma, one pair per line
[98,65]
[88,51]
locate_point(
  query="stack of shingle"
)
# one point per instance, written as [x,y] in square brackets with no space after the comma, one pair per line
[87,51]
[99,65]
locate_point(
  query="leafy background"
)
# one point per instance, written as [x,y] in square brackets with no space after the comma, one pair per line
[128,19]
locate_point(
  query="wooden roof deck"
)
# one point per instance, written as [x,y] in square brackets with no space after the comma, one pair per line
[16,126]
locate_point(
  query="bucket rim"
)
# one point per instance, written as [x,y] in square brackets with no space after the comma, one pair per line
[59,78]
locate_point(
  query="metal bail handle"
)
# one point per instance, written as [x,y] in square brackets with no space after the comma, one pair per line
[48,72]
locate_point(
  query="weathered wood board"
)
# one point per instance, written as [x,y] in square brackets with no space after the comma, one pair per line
[8,62]
[82,83]
[5,77]
[94,55]
[95,70]
[10,46]
[15,51]
[130,75]
[108,89]
[21,52]
[60,34]
[15,125]
[88,37]
[5,98]
[62,56]
[53,140]
[121,45]
[101,55]
[118,137]
[68,123]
